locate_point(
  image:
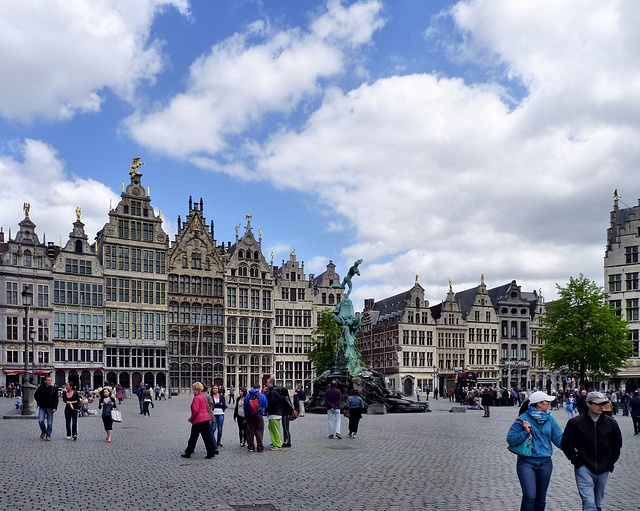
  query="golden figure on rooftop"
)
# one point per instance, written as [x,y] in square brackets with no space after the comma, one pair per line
[133,170]
[78,212]
[26,206]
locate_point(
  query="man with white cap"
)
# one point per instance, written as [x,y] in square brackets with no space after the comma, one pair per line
[592,442]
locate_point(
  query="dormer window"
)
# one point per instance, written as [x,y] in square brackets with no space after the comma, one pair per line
[78,247]
[26,258]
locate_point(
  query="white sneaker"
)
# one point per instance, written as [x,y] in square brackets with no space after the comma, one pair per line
[353,436]
[68,438]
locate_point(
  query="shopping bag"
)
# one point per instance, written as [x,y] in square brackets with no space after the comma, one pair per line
[116,416]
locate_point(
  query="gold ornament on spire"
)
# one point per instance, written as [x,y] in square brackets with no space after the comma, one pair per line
[26,206]
[78,212]
[615,194]
[133,170]
[416,278]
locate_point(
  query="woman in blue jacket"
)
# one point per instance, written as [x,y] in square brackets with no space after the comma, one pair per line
[534,472]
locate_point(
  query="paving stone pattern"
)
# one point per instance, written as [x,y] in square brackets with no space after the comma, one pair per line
[426,461]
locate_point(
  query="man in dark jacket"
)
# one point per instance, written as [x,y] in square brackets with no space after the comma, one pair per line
[46,397]
[581,402]
[332,399]
[592,442]
[634,406]
[486,401]
[274,411]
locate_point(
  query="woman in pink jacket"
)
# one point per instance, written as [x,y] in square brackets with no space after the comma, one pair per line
[200,423]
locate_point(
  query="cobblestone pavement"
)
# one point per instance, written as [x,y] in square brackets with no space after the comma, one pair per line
[433,461]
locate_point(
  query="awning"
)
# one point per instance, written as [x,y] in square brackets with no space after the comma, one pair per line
[20,371]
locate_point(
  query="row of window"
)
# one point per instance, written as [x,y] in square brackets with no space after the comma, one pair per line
[293,294]
[451,340]
[631,308]
[13,357]
[74,326]
[137,357]
[195,314]
[294,318]
[417,338]
[135,230]
[239,298]
[490,335]
[134,259]
[135,291]
[77,266]
[417,359]
[13,298]
[194,347]
[42,331]
[77,293]
[299,345]
[632,282]
[78,355]
[135,325]
[244,331]
[476,357]
[202,286]
[27,260]
[293,371]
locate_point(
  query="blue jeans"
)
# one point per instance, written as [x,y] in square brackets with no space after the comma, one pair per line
[534,476]
[48,413]
[217,424]
[591,488]
[333,416]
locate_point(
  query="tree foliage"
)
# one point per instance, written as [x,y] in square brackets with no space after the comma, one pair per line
[324,343]
[584,337]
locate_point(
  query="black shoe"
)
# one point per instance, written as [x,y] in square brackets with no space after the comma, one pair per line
[75,437]
[185,455]
[208,457]
[338,436]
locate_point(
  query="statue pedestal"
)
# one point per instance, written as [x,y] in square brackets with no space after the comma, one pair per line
[377,409]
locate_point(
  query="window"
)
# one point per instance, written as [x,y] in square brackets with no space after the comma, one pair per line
[255,299]
[231,297]
[266,300]
[243,301]
[632,281]
[196,260]
[12,328]
[631,254]
[147,231]
[615,283]
[632,310]
[12,293]
[617,306]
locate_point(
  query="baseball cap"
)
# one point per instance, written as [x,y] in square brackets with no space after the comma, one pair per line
[597,398]
[538,396]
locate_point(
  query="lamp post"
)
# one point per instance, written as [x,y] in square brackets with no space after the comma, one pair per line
[28,389]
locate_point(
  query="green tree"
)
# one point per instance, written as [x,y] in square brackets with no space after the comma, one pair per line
[584,336]
[324,343]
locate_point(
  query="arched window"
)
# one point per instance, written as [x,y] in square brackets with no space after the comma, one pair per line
[242,271]
[243,331]
[254,272]
[331,300]
[240,254]
[26,258]
[256,255]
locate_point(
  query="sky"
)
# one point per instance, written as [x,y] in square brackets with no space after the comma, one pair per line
[446,140]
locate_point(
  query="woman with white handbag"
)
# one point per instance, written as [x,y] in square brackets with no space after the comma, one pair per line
[107,404]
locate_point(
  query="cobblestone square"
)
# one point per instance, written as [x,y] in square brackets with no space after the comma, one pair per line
[434,461]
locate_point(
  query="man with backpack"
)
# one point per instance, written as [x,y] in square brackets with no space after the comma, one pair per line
[255,406]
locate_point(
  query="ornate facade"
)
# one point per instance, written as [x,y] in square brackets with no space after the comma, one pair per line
[25,291]
[78,314]
[622,281]
[132,248]
[196,271]
[295,320]
[249,337]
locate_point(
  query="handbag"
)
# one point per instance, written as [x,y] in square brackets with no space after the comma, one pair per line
[116,416]
[523,448]
[294,415]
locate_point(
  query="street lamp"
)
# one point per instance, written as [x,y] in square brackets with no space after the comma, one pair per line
[28,405]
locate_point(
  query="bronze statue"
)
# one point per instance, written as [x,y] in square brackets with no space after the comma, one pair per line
[347,280]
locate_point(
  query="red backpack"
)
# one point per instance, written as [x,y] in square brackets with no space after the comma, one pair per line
[254,404]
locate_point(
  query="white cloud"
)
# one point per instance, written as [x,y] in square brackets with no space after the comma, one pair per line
[444,179]
[239,81]
[59,57]
[32,172]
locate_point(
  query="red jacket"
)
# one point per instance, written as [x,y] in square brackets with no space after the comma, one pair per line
[199,409]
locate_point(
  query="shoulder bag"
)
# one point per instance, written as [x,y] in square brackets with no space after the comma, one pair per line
[524,447]
[116,416]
